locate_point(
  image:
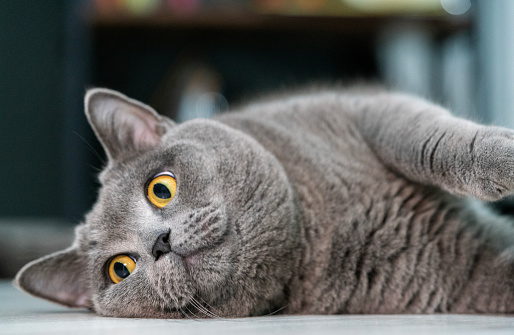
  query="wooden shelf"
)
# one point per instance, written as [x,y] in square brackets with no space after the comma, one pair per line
[438,24]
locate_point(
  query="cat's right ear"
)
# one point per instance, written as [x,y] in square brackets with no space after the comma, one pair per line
[59,277]
[124,126]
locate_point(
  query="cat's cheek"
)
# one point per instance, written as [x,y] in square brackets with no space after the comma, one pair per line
[169,279]
[192,261]
[110,300]
[210,271]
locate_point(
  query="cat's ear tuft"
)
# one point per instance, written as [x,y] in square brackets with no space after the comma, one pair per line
[124,126]
[60,277]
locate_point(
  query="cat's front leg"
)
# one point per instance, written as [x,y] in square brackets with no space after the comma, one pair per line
[428,145]
[491,162]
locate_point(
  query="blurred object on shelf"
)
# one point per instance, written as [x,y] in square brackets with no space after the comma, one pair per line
[405,55]
[343,8]
[299,7]
[363,7]
[456,7]
[459,82]
[142,7]
[411,59]
[159,7]
[133,7]
[191,89]
[183,6]
[402,7]
[106,7]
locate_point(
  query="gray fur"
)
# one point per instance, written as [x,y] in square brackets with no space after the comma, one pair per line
[325,202]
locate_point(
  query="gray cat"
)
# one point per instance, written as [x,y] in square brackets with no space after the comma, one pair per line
[320,203]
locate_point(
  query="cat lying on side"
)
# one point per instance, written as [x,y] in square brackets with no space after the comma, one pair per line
[321,203]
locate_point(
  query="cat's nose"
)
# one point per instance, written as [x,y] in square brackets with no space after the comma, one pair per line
[161,246]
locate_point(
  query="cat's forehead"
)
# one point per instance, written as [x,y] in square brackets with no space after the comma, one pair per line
[90,238]
[197,148]
[83,238]
[172,157]
[122,200]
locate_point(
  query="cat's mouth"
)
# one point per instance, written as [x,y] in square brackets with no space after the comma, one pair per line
[178,288]
[204,229]
[196,260]
[189,260]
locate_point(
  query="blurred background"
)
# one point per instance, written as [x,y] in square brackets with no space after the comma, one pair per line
[196,58]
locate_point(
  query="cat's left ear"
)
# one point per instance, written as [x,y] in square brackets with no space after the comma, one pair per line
[59,277]
[124,126]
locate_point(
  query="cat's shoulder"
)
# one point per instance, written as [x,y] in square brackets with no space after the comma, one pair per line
[309,102]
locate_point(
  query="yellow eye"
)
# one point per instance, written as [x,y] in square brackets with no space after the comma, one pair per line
[121,267]
[162,189]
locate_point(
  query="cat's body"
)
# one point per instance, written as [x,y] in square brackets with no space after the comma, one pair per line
[328,202]
[373,241]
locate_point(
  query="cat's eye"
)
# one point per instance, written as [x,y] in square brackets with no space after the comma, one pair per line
[121,267]
[161,189]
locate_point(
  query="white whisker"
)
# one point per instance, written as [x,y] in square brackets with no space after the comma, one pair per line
[205,302]
[276,311]
[185,314]
[203,309]
[193,314]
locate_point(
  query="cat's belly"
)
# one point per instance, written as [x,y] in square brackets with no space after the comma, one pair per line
[401,249]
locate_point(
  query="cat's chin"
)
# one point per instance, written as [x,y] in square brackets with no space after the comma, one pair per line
[209,269]
[171,282]
[166,313]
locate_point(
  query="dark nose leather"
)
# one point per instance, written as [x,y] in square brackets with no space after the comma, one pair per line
[161,246]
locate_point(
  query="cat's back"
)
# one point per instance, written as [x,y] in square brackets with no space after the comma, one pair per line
[325,157]
[314,129]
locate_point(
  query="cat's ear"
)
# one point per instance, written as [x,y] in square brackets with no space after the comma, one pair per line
[59,277]
[124,126]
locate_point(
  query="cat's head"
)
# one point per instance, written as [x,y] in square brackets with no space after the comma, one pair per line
[200,215]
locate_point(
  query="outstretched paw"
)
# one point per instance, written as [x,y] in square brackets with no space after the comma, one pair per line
[492,163]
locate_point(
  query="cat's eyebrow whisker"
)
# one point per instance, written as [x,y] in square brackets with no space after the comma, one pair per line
[90,147]
[202,309]
[95,168]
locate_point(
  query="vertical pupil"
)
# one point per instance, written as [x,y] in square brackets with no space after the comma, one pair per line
[161,191]
[121,270]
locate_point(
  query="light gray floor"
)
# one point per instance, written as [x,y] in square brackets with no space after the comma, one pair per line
[22,314]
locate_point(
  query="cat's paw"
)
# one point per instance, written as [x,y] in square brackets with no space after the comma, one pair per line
[492,163]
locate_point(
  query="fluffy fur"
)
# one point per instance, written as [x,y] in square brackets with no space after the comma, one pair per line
[327,202]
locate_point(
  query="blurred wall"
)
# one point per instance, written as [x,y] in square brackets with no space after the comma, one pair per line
[495,46]
[31,114]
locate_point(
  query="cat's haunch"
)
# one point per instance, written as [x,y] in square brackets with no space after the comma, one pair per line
[341,201]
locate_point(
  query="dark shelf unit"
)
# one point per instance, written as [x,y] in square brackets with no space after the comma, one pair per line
[254,52]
